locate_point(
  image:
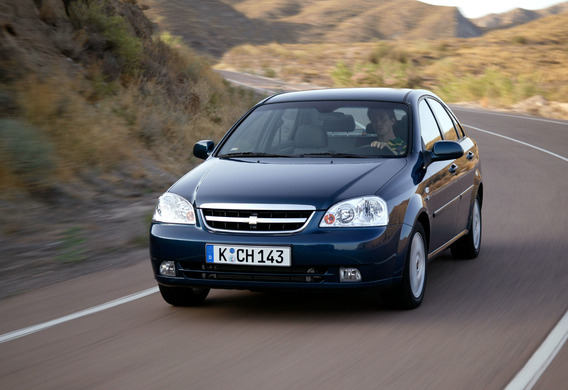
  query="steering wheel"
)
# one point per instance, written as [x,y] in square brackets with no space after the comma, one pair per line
[368,150]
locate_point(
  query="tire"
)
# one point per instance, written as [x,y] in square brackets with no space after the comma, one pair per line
[410,292]
[469,245]
[184,296]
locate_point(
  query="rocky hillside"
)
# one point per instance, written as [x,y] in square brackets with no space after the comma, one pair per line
[516,17]
[98,116]
[215,26]
[99,92]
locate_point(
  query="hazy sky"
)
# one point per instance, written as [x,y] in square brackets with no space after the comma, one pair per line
[477,8]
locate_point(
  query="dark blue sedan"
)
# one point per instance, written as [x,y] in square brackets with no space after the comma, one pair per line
[323,189]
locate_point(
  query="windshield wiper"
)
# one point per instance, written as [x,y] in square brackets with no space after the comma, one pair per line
[333,154]
[249,154]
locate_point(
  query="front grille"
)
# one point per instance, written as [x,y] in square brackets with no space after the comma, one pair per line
[248,273]
[256,220]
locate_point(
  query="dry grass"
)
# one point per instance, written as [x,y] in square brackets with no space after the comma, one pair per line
[112,108]
[499,69]
[83,133]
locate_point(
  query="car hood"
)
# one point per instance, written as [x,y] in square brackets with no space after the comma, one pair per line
[316,182]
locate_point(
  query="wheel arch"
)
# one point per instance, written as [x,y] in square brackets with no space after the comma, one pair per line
[415,212]
[480,194]
[425,222]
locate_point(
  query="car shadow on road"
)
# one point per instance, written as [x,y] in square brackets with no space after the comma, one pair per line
[291,307]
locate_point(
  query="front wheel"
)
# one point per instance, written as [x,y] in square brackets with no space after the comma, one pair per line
[469,245]
[183,296]
[410,292]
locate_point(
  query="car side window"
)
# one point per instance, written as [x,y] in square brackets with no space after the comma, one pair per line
[249,135]
[459,128]
[446,123]
[430,131]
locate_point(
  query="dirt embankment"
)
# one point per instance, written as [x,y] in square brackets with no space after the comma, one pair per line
[57,223]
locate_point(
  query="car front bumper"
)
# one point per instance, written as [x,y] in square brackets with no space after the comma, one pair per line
[317,255]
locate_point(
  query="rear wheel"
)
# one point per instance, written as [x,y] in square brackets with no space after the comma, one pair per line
[469,245]
[410,292]
[183,296]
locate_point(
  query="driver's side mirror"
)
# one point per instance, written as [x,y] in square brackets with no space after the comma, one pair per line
[203,149]
[444,150]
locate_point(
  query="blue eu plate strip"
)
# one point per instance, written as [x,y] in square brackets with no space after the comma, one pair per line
[209,253]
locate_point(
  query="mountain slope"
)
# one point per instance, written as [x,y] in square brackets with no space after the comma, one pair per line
[216,26]
[516,17]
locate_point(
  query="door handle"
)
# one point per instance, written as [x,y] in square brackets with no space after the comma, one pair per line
[470,155]
[453,168]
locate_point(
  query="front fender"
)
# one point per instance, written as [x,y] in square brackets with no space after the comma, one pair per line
[416,207]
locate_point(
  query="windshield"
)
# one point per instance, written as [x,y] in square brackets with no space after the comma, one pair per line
[321,129]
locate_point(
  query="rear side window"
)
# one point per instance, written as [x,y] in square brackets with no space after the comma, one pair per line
[459,127]
[444,120]
[428,126]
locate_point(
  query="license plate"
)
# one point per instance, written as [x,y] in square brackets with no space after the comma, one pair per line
[277,256]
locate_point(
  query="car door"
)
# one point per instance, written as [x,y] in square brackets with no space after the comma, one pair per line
[440,184]
[467,168]
[464,166]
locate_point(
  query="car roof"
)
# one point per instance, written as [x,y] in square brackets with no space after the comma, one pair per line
[373,94]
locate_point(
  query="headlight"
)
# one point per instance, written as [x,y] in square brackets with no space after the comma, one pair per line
[365,211]
[173,208]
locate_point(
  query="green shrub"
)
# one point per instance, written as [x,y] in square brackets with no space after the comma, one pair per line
[520,40]
[100,88]
[379,52]
[72,246]
[92,17]
[384,51]
[493,87]
[387,73]
[24,152]
[342,75]
[173,41]
[269,72]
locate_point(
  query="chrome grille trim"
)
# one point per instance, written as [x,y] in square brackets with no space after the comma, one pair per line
[257,206]
[257,220]
[253,218]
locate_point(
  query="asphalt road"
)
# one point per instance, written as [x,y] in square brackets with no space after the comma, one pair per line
[481,321]
[262,85]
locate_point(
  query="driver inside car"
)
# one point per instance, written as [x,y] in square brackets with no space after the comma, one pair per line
[382,124]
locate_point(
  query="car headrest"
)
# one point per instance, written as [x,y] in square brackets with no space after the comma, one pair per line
[337,122]
[310,136]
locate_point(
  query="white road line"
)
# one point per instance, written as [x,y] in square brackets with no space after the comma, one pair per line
[545,354]
[95,309]
[532,118]
[519,142]
[541,359]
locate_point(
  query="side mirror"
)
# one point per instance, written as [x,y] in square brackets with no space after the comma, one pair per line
[446,150]
[203,149]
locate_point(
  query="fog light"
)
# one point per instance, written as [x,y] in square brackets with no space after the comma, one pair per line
[168,268]
[349,275]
